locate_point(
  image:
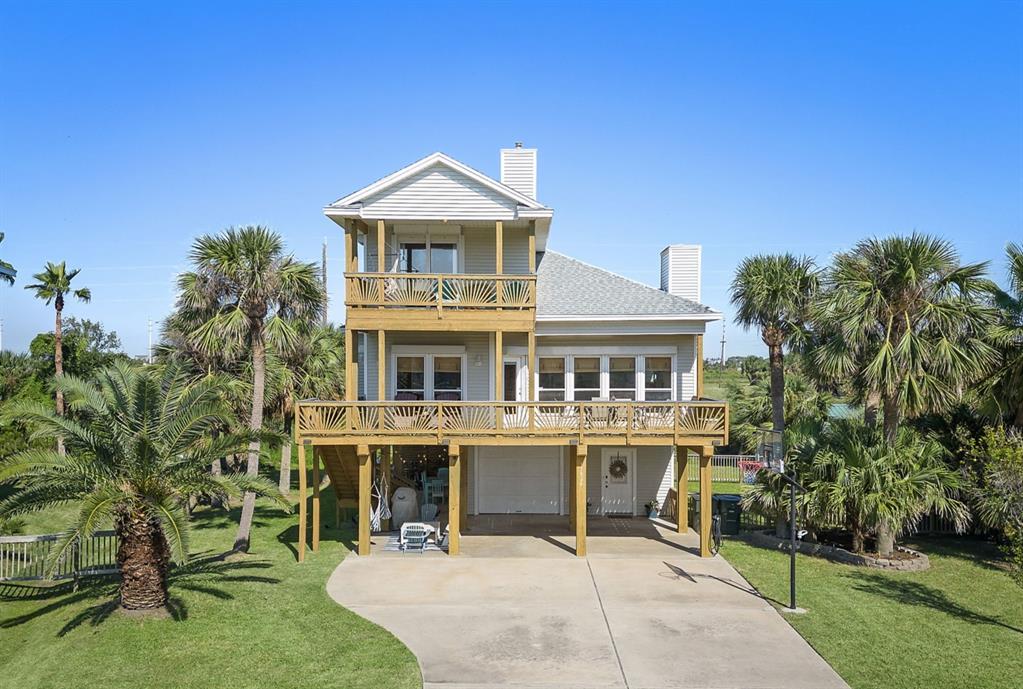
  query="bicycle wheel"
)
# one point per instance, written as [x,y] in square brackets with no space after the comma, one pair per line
[715,532]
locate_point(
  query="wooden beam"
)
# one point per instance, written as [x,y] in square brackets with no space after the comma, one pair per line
[580,500]
[706,453]
[531,364]
[351,239]
[699,366]
[499,366]
[682,487]
[381,247]
[351,391]
[381,365]
[532,247]
[365,481]
[316,500]
[499,257]
[302,521]
[447,321]
[454,498]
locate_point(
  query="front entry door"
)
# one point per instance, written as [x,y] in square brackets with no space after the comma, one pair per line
[618,481]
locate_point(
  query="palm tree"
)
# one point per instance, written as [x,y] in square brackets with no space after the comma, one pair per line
[859,480]
[139,444]
[1004,389]
[7,271]
[244,292]
[907,321]
[51,286]
[773,294]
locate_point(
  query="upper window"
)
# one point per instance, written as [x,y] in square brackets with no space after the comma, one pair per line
[411,378]
[587,378]
[622,377]
[657,378]
[552,379]
[442,258]
[428,257]
[447,378]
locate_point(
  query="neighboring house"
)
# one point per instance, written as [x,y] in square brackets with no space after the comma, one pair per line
[502,377]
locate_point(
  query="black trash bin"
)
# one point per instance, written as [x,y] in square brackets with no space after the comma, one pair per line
[729,508]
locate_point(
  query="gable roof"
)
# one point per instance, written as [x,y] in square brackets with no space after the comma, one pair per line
[567,287]
[437,158]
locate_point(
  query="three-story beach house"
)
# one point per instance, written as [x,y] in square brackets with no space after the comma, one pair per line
[493,375]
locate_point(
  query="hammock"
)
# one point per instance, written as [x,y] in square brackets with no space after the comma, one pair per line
[383,510]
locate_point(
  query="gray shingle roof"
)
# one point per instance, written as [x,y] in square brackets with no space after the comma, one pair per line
[568,287]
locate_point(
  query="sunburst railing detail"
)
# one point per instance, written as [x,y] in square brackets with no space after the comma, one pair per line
[704,420]
[412,290]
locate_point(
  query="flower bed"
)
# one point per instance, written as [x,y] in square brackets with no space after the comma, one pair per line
[905,560]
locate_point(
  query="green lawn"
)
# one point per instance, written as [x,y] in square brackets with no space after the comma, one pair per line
[959,624]
[262,621]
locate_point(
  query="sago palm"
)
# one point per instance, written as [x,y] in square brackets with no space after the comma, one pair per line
[51,286]
[773,294]
[245,292]
[139,445]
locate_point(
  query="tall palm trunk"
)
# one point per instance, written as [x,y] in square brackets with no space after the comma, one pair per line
[143,557]
[892,417]
[777,383]
[870,406]
[241,541]
[284,483]
[58,359]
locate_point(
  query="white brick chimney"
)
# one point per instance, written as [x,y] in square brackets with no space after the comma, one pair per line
[680,270]
[518,169]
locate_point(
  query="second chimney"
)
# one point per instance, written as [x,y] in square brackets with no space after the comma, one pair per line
[680,270]
[518,169]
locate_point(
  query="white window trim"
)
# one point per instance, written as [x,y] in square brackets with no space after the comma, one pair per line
[605,373]
[567,390]
[428,352]
[444,234]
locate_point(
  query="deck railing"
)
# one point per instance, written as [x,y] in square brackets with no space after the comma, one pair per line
[668,421]
[26,557]
[418,290]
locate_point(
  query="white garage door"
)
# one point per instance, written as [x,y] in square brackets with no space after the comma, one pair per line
[523,480]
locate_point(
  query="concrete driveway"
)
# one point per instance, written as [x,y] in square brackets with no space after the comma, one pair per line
[664,618]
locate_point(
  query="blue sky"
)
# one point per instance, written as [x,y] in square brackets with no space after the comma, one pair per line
[127,129]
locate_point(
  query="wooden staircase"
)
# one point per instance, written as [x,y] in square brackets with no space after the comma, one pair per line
[342,465]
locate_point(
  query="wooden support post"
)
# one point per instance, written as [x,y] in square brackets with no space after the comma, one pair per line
[316,500]
[351,239]
[531,364]
[454,498]
[351,384]
[499,257]
[365,481]
[463,517]
[706,453]
[699,366]
[682,487]
[532,247]
[571,487]
[301,501]
[499,367]
[381,366]
[580,501]
[381,247]
[354,268]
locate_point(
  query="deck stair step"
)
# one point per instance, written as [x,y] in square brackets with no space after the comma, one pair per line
[342,465]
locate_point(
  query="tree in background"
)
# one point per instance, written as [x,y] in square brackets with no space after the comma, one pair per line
[139,444]
[244,292]
[907,320]
[999,493]
[86,347]
[51,285]
[7,271]
[1003,391]
[773,294]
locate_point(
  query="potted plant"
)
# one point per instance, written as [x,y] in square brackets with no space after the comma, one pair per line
[653,509]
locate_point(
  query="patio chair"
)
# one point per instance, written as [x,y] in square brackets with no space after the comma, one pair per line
[428,512]
[413,537]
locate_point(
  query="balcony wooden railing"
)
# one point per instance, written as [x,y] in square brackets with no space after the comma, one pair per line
[440,291]
[428,422]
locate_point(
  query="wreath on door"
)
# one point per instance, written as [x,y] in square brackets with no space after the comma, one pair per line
[618,468]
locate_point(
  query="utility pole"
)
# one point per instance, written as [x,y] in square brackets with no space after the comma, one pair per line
[323,276]
[722,344]
[1,334]
[149,327]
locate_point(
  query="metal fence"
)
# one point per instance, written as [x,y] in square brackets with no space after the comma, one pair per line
[25,557]
[724,468]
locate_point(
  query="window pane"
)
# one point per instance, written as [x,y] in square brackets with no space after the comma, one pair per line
[410,373]
[447,373]
[587,373]
[552,395]
[658,372]
[658,395]
[413,258]
[585,395]
[552,375]
[442,258]
[623,372]
[510,381]
[623,395]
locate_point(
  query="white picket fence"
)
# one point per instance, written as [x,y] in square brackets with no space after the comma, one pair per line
[724,468]
[25,557]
